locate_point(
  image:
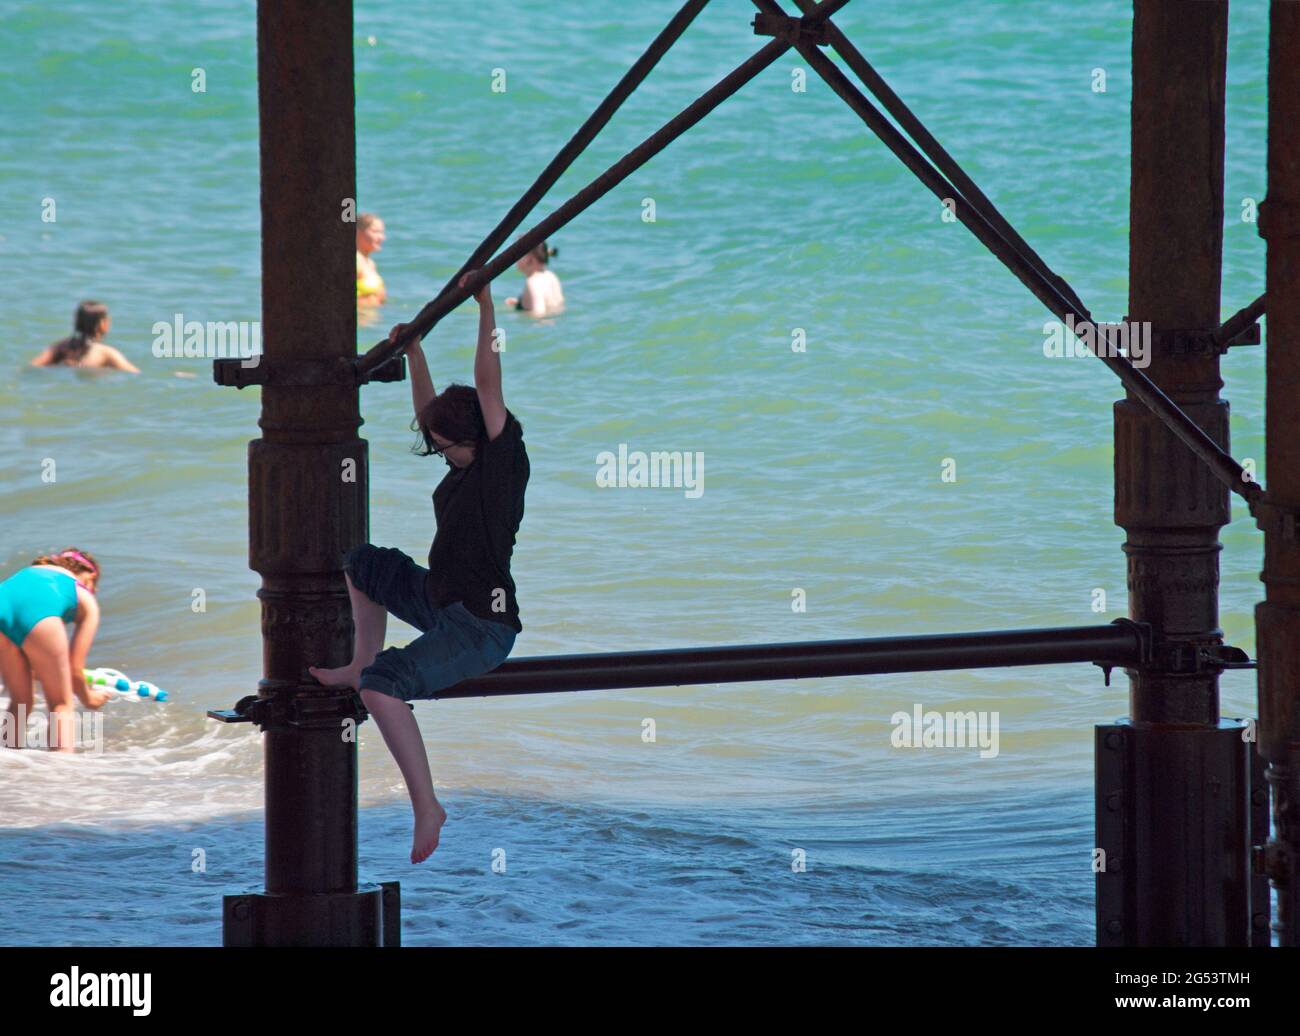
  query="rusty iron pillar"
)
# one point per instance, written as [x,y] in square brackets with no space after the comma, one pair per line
[1278,617]
[307,478]
[1174,783]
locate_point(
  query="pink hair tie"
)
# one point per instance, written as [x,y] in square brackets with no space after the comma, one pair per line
[78,556]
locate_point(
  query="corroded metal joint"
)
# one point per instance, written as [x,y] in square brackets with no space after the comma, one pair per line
[1276,518]
[1166,656]
[1278,219]
[1188,657]
[794,31]
[1199,342]
[303,372]
[281,705]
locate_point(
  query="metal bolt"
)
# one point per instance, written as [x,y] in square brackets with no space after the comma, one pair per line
[1114,927]
[1113,801]
[240,910]
[1114,741]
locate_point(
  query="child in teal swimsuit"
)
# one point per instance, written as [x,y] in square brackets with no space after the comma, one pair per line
[35,603]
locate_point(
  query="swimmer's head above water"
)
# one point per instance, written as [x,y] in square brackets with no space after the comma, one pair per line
[536,260]
[370,233]
[90,324]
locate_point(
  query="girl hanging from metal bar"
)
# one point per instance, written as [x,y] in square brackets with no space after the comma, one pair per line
[464,602]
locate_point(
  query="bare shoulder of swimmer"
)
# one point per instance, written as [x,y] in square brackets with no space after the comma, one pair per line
[98,354]
[112,357]
[528,300]
[538,298]
[553,291]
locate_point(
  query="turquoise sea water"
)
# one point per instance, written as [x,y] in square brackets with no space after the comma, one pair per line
[822,469]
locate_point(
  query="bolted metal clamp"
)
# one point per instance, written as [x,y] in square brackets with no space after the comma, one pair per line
[1184,342]
[1174,657]
[1271,860]
[338,370]
[1276,518]
[295,710]
[1142,630]
[1250,336]
[266,710]
[1278,219]
[794,31]
[1163,655]
[250,709]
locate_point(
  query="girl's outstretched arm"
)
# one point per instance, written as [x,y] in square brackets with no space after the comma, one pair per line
[421,383]
[487,363]
[79,650]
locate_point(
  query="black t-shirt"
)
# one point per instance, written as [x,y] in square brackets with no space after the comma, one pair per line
[478,509]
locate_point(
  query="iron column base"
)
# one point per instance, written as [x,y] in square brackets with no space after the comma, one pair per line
[1178,808]
[371,916]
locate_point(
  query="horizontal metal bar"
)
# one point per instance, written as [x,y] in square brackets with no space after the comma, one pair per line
[424,321]
[1122,643]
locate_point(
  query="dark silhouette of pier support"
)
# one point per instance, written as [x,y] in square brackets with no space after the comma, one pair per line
[307,490]
[1278,617]
[1174,785]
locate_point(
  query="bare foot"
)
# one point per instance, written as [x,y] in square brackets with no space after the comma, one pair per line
[347,676]
[427,826]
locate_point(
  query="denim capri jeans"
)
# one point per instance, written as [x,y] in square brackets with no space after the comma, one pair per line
[454,644]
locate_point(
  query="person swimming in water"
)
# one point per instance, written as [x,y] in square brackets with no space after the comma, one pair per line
[370,238]
[85,347]
[542,294]
[464,602]
[35,602]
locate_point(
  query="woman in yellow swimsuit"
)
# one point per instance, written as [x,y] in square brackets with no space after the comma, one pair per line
[370,238]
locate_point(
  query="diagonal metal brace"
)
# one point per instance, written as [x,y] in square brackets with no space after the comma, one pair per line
[434,311]
[1221,464]
[1241,328]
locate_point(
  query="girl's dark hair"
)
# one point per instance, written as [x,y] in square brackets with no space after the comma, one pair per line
[454,414]
[542,253]
[84,327]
